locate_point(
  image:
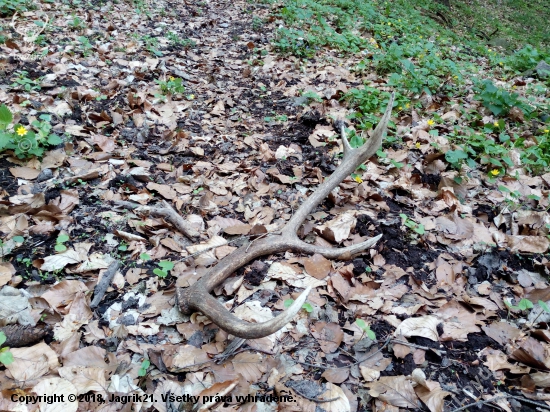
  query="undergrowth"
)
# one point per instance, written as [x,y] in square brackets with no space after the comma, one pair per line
[404,42]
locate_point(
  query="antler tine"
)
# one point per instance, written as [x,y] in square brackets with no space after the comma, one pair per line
[197,296]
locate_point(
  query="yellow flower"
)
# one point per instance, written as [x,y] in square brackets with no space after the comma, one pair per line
[407,105]
[21,131]
[495,172]
[417,145]
[358,179]
[172,78]
[431,122]
[546,131]
[389,24]
[495,124]
[399,108]
[500,63]
[191,96]
[490,50]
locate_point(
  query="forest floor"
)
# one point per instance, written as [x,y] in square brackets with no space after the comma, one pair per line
[207,107]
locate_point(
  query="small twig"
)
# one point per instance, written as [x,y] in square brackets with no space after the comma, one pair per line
[104,283]
[520,399]
[315,399]
[412,345]
[479,403]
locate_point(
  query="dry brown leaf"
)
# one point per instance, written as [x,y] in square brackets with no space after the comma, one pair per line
[429,392]
[165,191]
[62,294]
[395,390]
[329,336]
[338,229]
[32,362]
[56,386]
[6,272]
[317,266]
[425,326]
[84,379]
[24,172]
[336,376]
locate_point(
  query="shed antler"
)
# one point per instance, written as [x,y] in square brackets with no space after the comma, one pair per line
[197,296]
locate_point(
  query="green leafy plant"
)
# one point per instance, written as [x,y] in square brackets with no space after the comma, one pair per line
[145,256]
[60,243]
[526,304]
[165,266]
[25,83]
[9,7]
[152,45]
[176,40]
[171,86]
[21,140]
[365,328]
[411,224]
[498,100]
[6,357]
[306,306]
[85,46]
[143,368]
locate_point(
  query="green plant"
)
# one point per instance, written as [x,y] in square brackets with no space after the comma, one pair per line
[152,45]
[176,40]
[257,23]
[498,100]
[411,224]
[60,243]
[145,256]
[526,304]
[76,23]
[143,368]
[365,328]
[85,46]
[306,306]
[9,7]
[6,357]
[22,141]
[165,266]
[171,86]
[525,59]
[25,83]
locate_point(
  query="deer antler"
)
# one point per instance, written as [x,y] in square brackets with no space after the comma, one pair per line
[197,297]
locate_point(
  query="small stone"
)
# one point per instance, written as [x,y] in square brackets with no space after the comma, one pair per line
[44,175]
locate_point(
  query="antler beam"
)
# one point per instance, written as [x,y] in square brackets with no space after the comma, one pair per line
[197,297]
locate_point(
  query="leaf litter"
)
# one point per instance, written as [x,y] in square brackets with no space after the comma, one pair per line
[234,155]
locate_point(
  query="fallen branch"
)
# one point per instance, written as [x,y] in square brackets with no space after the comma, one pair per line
[197,297]
[412,345]
[104,283]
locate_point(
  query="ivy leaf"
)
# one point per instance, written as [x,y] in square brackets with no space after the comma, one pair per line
[145,256]
[288,303]
[3,338]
